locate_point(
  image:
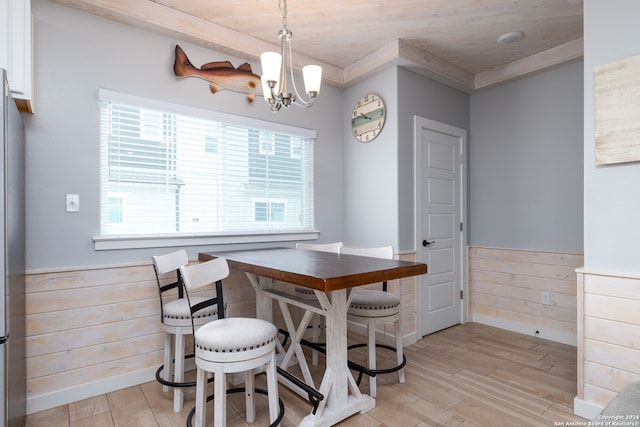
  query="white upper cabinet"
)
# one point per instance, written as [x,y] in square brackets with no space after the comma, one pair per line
[16,50]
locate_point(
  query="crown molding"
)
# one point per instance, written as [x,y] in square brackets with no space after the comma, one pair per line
[168,21]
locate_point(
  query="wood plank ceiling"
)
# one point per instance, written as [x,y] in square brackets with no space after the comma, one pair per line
[452,41]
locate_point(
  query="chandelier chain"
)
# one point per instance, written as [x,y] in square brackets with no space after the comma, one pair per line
[283,11]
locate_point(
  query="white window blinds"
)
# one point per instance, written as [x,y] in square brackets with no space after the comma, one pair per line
[170,170]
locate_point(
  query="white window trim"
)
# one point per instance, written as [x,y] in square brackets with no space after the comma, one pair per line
[105,243]
[115,242]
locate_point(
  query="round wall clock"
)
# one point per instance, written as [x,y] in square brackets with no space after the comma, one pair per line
[367,118]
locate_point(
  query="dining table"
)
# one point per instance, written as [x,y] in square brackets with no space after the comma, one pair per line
[332,277]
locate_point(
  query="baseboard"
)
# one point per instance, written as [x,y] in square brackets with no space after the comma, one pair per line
[523,328]
[84,391]
[585,409]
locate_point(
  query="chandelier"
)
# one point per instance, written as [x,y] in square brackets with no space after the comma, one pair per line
[275,87]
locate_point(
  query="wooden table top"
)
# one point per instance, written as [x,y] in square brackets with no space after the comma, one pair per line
[323,271]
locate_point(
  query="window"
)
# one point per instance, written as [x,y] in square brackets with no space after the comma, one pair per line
[174,170]
[269,211]
[114,213]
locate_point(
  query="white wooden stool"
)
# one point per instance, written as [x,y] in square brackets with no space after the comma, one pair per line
[371,307]
[230,345]
[175,314]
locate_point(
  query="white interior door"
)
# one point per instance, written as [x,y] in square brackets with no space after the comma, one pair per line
[440,195]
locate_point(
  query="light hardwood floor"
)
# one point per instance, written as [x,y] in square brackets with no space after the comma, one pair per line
[467,375]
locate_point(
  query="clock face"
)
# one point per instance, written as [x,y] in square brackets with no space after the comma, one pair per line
[368,118]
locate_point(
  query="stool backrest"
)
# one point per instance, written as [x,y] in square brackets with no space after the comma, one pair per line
[205,273]
[321,247]
[385,252]
[170,262]
[163,264]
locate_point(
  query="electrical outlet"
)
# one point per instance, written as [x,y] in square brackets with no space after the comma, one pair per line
[73,203]
[546,298]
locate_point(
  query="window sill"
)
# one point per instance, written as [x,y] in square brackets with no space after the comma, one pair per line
[106,243]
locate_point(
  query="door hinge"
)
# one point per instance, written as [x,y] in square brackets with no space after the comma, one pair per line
[461,294]
[461,227]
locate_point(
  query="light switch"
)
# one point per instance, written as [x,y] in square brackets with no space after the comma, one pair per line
[73,203]
[546,298]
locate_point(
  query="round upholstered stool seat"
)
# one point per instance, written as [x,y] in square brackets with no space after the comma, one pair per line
[177,313]
[373,303]
[234,338]
[229,345]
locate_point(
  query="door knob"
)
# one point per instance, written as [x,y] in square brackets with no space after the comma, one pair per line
[425,243]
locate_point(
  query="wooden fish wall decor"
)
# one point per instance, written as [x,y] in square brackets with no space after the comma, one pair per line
[220,75]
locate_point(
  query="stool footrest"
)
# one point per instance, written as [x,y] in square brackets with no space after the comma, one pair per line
[373,372]
[171,383]
[314,396]
[242,390]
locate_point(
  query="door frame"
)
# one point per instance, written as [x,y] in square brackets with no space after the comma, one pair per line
[461,135]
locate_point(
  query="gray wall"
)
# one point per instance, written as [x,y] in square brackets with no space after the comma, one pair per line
[612,192]
[77,53]
[371,169]
[526,155]
[364,192]
[426,98]
[379,175]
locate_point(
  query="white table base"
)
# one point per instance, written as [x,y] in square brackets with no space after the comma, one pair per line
[342,397]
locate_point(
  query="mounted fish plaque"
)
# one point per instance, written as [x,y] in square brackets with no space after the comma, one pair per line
[220,75]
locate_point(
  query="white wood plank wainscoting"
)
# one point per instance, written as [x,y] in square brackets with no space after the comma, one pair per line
[94,330]
[525,291]
[608,337]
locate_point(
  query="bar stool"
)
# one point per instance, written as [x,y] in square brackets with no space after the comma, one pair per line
[229,345]
[373,307]
[309,294]
[176,318]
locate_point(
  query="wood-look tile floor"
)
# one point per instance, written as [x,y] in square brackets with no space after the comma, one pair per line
[467,375]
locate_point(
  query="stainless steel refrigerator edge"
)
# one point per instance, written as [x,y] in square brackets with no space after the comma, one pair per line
[12,263]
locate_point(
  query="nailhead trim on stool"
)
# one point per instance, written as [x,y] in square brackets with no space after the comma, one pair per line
[179,309]
[373,303]
[235,335]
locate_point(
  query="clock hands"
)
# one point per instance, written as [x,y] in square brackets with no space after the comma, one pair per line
[368,118]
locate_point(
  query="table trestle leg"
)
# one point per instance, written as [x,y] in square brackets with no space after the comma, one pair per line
[296,335]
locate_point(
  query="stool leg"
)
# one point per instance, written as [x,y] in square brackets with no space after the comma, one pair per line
[371,346]
[249,387]
[219,398]
[315,333]
[178,375]
[399,350]
[168,351]
[272,388]
[201,398]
